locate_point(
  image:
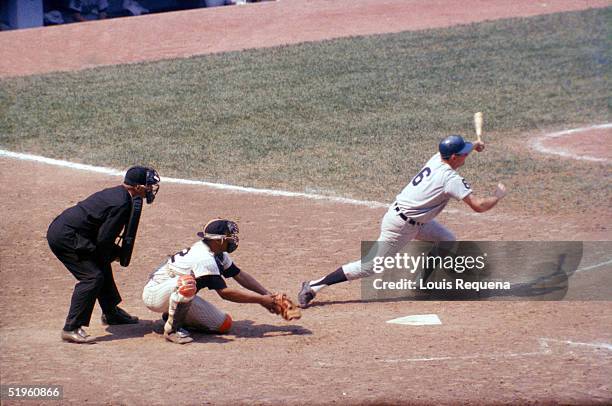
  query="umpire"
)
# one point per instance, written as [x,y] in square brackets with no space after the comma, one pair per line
[83,238]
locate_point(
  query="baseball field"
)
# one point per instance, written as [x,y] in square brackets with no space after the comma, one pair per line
[301,120]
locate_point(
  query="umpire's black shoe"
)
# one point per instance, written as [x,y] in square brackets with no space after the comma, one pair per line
[77,336]
[120,316]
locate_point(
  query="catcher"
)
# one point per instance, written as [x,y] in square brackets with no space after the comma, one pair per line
[172,288]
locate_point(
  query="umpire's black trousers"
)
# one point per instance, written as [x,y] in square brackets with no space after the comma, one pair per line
[95,278]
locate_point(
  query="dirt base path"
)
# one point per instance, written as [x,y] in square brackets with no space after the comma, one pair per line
[203,31]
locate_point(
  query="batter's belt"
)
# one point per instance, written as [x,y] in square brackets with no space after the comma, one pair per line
[406,218]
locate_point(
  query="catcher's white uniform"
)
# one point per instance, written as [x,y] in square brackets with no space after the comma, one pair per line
[161,292]
[412,215]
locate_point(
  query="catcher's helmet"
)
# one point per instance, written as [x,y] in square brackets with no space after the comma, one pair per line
[221,229]
[454,144]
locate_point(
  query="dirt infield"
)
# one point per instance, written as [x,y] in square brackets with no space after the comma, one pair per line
[341,351]
[203,31]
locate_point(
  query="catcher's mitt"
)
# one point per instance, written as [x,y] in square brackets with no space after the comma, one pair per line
[285,307]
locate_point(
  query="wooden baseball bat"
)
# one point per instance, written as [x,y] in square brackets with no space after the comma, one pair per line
[478,121]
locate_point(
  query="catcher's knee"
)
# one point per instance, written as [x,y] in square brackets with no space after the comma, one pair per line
[226,325]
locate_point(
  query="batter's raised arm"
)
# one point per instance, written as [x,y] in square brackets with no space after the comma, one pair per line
[482,204]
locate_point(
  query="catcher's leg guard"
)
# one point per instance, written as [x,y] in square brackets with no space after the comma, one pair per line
[227,324]
[205,316]
[177,312]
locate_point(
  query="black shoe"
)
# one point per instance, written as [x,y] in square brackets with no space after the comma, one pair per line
[119,317]
[77,336]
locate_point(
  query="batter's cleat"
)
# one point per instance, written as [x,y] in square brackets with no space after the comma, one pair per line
[120,316]
[77,336]
[181,336]
[306,295]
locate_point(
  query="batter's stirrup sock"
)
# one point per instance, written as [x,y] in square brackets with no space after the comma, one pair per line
[335,277]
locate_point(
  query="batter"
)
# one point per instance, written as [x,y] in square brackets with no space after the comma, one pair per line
[412,215]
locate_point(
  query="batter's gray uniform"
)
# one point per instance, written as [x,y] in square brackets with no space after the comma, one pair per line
[412,215]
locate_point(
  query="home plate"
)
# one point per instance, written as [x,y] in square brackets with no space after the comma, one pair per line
[417,320]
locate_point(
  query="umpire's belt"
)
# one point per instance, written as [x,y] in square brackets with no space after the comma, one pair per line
[406,218]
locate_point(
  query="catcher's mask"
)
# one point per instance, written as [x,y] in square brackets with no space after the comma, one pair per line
[220,229]
[146,176]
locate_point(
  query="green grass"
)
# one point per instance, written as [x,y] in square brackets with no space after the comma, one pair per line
[354,117]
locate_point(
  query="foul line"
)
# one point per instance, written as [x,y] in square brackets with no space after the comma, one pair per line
[588,268]
[604,346]
[537,143]
[543,350]
[281,193]
[220,186]
[212,185]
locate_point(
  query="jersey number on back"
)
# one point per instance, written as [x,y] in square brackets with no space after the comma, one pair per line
[180,253]
[419,178]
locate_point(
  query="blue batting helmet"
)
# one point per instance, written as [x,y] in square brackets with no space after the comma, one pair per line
[454,144]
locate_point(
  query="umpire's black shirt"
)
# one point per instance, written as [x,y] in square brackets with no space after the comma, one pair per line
[91,227]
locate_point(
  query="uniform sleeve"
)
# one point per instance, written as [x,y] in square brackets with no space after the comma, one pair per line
[212,282]
[102,5]
[457,187]
[111,228]
[231,271]
[206,265]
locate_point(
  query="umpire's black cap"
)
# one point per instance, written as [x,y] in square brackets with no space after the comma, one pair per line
[139,175]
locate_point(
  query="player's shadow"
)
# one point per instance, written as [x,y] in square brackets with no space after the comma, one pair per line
[156,327]
[240,329]
[552,284]
[248,329]
[125,331]
[354,301]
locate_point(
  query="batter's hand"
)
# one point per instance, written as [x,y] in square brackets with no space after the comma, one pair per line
[479,146]
[500,191]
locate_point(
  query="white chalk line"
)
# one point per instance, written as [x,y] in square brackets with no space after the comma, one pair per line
[538,146]
[220,186]
[212,185]
[268,192]
[544,350]
[604,346]
[588,268]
